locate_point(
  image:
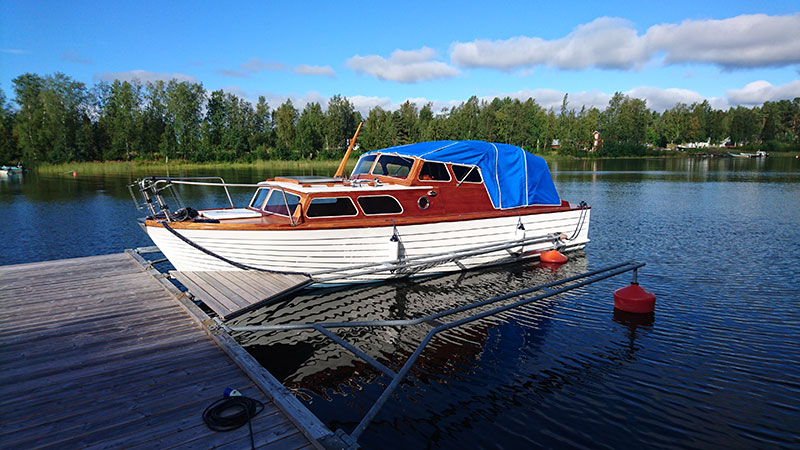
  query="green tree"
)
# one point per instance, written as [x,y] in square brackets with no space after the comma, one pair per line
[405,120]
[8,144]
[28,125]
[184,106]
[214,125]
[425,123]
[261,138]
[379,130]
[309,130]
[285,118]
[123,119]
[464,120]
[745,126]
[153,117]
[236,136]
[340,125]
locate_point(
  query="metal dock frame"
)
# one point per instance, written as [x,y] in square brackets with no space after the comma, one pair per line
[548,290]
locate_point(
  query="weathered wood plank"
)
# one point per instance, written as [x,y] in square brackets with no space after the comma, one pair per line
[199,291]
[95,350]
[74,327]
[125,306]
[231,293]
[89,357]
[248,291]
[155,373]
[67,410]
[211,286]
[205,437]
[121,416]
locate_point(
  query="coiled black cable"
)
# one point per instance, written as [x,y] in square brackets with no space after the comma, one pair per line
[230,413]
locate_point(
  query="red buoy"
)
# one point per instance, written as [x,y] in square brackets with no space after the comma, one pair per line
[553,257]
[634,299]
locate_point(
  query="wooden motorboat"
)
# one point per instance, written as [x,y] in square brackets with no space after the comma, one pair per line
[429,207]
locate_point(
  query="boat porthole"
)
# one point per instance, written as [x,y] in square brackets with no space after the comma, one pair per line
[423,202]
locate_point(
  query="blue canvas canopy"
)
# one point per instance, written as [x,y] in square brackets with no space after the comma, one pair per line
[513,177]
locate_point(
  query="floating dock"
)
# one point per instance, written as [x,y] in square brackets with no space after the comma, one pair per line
[104,352]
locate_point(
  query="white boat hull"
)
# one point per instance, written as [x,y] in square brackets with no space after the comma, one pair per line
[310,251]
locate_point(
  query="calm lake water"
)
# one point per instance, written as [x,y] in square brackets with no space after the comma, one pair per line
[718,366]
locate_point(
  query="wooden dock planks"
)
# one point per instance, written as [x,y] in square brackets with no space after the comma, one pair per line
[95,352]
[231,293]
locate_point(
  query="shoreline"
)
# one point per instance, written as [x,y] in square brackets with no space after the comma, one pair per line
[129,166]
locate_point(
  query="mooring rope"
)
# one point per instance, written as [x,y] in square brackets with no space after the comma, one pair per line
[581,221]
[224,259]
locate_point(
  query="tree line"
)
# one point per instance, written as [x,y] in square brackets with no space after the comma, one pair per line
[57,119]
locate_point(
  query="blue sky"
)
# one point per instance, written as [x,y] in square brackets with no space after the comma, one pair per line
[384,53]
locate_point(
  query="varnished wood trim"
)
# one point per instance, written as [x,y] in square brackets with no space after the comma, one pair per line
[338,223]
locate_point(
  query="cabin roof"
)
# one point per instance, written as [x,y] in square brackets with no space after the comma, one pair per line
[315,188]
[513,177]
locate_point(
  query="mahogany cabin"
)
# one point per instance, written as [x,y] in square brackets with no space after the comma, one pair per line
[383,189]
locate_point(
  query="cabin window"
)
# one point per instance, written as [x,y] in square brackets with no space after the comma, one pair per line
[258,198]
[380,204]
[434,171]
[364,164]
[393,166]
[331,207]
[277,205]
[471,173]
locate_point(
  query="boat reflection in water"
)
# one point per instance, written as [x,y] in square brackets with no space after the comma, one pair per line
[312,365]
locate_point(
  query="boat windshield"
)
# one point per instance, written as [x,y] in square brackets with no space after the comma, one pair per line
[393,166]
[364,164]
[278,204]
[258,198]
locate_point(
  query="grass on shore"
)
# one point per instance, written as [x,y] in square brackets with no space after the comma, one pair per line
[176,166]
[120,167]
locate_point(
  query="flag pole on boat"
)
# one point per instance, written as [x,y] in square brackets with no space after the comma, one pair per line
[340,170]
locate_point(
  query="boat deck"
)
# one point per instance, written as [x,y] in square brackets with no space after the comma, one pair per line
[97,352]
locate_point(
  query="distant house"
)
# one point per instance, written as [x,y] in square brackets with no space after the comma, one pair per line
[555,144]
[693,145]
[595,140]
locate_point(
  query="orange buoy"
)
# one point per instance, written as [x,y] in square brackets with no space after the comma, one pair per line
[634,299]
[553,257]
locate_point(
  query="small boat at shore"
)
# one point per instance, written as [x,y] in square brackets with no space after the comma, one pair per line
[758,154]
[11,171]
[422,208]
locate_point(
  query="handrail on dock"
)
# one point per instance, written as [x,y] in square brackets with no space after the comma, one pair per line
[548,290]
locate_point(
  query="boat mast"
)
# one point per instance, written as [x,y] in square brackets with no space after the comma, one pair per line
[340,170]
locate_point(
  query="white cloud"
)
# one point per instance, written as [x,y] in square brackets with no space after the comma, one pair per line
[755,40]
[305,69]
[13,51]
[761,91]
[143,76]
[232,73]
[259,65]
[75,57]
[551,98]
[364,104]
[255,65]
[606,42]
[405,66]
[658,99]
